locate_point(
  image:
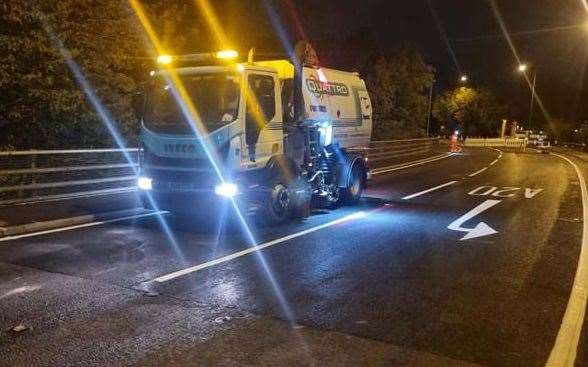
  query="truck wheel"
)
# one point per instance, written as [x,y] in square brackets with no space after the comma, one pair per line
[352,193]
[279,203]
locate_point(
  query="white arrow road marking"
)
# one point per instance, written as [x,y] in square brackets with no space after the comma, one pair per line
[529,193]
[481,229]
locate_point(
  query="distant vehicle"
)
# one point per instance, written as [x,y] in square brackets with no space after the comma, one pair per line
[276,138]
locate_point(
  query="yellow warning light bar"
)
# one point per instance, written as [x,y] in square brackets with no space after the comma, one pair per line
[164,59]
[227,54]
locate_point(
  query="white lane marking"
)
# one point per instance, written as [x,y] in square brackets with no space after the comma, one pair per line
[478,172]
[481,229]
[494,162]
[529,193]
[566,344]
[498,150]
[220,260]
[429,190]
[378,171]
[91,224]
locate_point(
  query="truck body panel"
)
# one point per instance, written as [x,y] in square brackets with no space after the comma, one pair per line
[209,126]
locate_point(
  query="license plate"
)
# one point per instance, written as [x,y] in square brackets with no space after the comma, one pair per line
[180,186]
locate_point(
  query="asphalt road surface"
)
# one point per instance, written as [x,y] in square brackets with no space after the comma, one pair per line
[468,260]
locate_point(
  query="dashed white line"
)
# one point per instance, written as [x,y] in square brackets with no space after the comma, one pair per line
[378,171]
[477,172]
[493,162]
[566,344]
[429,190]
[192,269]
[91,224]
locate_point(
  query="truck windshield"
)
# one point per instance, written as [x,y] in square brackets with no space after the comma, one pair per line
[215,96]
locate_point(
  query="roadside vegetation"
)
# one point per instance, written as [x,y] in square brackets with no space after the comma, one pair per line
[42,105]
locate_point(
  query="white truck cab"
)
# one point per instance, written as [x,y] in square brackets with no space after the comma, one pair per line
[242,125]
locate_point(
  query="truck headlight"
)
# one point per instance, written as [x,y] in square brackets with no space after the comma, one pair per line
[145,183]
[326,134]
[226,189]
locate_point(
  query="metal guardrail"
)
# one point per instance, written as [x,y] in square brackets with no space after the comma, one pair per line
[496,142]
[52,174]
[385,150]
[56,174]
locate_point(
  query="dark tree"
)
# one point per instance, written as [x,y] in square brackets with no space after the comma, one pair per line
[477,111]
[399,88]
[41,104]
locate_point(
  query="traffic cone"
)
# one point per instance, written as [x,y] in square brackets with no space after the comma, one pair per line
[453,148]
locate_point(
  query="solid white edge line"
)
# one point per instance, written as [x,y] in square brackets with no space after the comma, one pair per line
[91,224]
[428,190]
[377,171]
[220,260]
[494,162]
[477,172]
[566,344]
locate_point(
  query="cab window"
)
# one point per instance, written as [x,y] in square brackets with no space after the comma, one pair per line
[262,86]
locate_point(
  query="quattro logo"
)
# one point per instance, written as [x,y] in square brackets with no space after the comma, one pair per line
[179,148]
[319,88]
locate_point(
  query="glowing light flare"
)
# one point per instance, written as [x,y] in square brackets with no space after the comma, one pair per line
[463,78]
[108,122]
[227,54]
[164,59]
[281,30]
[321,75]
[213,22]
[515,54]
[145,183]
[296,19]
[226,189]
[522,68]
[178,90]
[444,37]
[191,112]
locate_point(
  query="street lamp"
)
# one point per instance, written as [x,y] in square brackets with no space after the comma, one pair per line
[522,68]
[429,109]
[463,78]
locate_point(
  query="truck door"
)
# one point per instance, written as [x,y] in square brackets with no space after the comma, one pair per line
[263,129]
[365,106]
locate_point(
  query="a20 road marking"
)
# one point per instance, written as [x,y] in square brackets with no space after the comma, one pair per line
[503,192]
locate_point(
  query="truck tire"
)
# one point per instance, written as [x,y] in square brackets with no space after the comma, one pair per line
[279,203]
[352,193]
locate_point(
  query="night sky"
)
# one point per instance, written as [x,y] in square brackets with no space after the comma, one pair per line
[341,29]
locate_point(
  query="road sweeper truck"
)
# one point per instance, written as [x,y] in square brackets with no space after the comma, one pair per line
[274,137]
